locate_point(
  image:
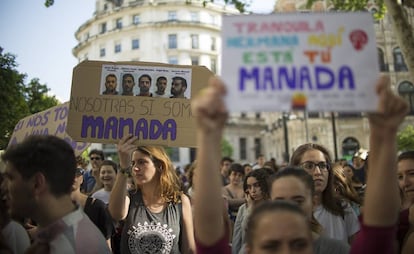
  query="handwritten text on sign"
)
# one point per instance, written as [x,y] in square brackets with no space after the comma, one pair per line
[295,61]
[49,122]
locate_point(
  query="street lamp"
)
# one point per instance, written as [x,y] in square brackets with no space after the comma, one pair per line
[286,136]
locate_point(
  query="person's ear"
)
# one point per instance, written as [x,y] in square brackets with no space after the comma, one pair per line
[38,183]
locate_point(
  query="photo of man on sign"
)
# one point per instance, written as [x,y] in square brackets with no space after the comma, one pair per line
[154,102]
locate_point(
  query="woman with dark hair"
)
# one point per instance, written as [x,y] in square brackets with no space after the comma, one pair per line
[233,192]
[353,180]
[338,221]
[295,185]
[256,191]
[158,216]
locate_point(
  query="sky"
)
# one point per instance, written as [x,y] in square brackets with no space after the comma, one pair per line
[42,38]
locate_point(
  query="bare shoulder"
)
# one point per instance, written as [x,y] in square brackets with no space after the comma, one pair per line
[185,200]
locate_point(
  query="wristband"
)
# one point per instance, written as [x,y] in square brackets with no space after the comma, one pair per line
[125,171]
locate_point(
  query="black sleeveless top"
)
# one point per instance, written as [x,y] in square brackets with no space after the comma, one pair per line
[148,232]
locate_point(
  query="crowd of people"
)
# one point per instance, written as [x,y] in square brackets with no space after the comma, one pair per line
[51,203]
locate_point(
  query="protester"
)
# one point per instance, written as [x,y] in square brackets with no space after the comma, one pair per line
[337,218]
[260,162]
[225,169]
[233,191]
[94,208]
[256,191]
[107,175]
[344,190]
[405,174]
[13,236]
[382,198]
[247,168]
[91,181]
[158,216]
[353,180]
[296,185]
[272,225]
[359,161]
[40,172]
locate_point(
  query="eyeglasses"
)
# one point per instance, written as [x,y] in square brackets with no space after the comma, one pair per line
[310,166]
[95,158]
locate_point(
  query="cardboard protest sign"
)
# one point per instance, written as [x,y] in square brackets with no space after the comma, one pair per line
[107,102]
[48,122]
[317,61]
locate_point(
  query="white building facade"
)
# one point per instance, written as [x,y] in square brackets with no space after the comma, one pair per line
[342,134]
[167,31]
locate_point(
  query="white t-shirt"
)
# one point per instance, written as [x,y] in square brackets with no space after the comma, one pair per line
[16,237]
[335,226]
[103,195]
[75,233]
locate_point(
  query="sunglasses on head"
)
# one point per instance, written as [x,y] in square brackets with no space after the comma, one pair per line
[95,158]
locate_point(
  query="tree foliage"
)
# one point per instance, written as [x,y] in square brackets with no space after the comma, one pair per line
[405,139]
[226,148]
[18,100]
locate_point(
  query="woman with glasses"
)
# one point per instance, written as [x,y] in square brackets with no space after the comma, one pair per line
[256,191]
[337,218]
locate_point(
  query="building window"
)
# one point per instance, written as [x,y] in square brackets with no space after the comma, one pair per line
[135,43]
[86,36]
[102,28]
[257,147]
[213,19]
[102,52]
[172,15]
[381,59]
[243,148]
[194,60]
[406,90]
[118,24]
[117,47]
[399,63]
[349,114]
[194,41]
[172,60]
[175,154]
[243,115]
[136,19]
[313,114]
[194,17]
[213,65]
[172,41]
[258,115]
[213,44]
